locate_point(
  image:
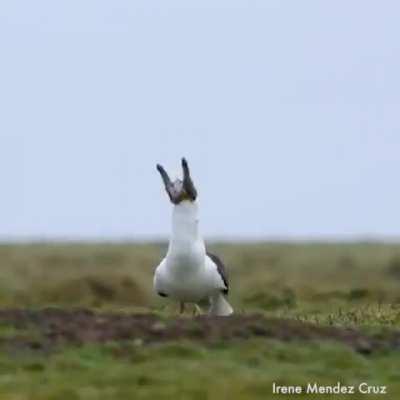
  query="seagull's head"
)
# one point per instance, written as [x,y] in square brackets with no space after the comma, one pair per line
[179,190]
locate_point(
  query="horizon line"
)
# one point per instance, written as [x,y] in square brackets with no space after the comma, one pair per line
[322,238]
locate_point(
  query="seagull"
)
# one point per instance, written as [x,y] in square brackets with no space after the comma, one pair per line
[189,273]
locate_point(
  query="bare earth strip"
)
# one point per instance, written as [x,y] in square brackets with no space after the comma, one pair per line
[48,329]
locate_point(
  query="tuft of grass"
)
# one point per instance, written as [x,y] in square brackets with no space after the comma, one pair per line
[393,267]
[92,290]
[271,300]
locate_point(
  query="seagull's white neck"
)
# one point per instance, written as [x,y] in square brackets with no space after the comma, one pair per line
[185,222]
[186,242]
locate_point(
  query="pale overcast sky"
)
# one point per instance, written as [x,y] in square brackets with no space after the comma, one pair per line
[288,112]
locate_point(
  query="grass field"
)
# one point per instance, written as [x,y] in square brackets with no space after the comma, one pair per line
[80,321]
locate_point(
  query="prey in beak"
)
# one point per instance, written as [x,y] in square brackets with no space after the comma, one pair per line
[179,190]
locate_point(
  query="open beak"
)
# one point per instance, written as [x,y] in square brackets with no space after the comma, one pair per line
[179,190]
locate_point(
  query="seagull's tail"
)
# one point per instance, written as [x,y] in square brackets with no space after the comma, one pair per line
[220,306]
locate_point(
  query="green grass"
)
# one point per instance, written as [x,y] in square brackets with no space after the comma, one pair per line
[351,285]
[186,371]
[325,283]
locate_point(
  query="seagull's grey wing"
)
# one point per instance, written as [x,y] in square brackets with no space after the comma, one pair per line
[221,270]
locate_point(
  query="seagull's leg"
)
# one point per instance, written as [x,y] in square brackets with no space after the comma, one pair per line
[182,307]
[197,310]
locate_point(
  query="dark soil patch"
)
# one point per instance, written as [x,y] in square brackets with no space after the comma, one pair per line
[49,328]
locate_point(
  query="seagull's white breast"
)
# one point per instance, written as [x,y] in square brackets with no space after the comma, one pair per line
[187,273]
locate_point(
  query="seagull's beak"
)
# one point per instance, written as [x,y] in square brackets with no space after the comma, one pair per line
[187,181]
[179,190]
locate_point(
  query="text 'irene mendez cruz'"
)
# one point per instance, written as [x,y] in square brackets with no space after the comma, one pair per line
[338,388]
